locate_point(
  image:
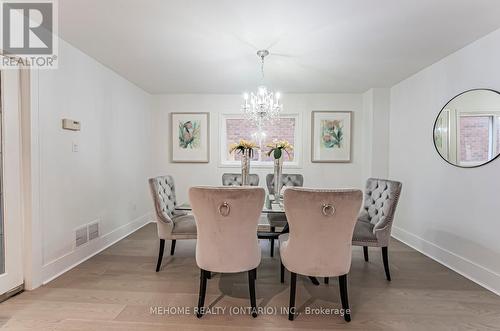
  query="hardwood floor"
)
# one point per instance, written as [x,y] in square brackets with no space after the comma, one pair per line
[116,289]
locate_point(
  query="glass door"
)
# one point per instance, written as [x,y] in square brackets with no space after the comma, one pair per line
[11,221]
[2,241]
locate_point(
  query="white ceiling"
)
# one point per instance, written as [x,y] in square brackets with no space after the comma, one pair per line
[208,46]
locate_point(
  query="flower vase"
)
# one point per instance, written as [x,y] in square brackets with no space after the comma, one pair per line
[245,168]
[278,171]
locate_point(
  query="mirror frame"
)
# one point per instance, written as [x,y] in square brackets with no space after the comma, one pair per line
[436,120]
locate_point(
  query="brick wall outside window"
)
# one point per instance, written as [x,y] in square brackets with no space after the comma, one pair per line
[240,128]
[474,138]
[498,135]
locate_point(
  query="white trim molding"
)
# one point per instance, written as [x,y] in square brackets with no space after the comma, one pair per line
[57,267]
[481,275]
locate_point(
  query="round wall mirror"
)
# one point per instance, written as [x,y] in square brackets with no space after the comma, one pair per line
[467,130]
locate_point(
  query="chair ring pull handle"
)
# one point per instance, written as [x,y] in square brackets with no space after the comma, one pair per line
[224,209]
[328,210]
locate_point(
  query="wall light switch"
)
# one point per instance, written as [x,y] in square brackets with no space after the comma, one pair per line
[75,147]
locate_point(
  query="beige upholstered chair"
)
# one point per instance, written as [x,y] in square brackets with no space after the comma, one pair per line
[277,220]
[171,224]
[227,219]
[374,224]
[327,217]
[235,180]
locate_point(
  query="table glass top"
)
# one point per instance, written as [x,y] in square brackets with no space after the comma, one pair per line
[270,206]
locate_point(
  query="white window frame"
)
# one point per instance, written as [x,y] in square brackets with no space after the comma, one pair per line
[296,163]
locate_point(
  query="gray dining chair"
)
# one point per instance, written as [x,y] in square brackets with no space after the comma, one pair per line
[171,223]
[278,220]
[229,179]
[373,228]
[319,244]
[227,219]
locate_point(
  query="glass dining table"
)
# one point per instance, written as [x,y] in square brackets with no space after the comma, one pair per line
[270,206]
[263,229]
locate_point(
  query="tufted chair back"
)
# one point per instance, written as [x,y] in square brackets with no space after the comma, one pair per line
[380,201]
[235,180]
[163,193]
[292,180]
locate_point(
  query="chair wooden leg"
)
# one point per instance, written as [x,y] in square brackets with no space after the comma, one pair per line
[203,290]
[252,274]
[208,274]
[272,241]
[314,280]
[385,258]
[344,297]
[327,280]
[282,273]
[365,252]
[293,285]
[160,254]
[172,248]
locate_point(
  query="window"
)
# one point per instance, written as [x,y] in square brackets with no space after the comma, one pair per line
[498,134]
[475,138]
[479,138]
[236,127]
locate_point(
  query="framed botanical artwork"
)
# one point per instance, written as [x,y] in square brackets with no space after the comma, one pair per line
[190,137]
[331,136]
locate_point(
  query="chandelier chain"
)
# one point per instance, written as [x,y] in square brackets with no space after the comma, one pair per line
[264,106]
[262,66]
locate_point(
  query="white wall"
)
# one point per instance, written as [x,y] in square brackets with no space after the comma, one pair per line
[315,174]
[106,180]
[449,213]
[376,110]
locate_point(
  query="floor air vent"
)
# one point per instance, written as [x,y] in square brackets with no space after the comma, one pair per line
[81,236]
[93,230]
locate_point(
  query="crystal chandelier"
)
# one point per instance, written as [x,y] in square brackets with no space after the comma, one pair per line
[263,106]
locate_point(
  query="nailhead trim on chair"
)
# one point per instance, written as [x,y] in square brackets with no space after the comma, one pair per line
[377,202]
[380,200]
[165,195]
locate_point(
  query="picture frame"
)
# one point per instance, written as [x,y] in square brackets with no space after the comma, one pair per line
[190,137]
[331,136]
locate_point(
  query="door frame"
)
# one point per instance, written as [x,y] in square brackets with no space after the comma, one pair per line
[12,279]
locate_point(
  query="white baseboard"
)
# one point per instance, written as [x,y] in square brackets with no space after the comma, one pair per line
[57,267]
[479,274]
